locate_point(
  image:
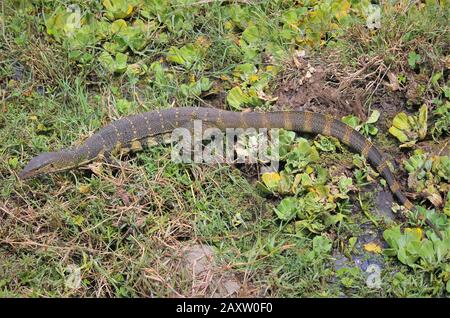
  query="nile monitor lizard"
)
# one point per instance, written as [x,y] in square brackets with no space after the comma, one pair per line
[134,131]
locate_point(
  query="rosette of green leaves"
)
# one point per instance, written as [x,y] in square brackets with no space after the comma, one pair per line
[409,129]
[366,128]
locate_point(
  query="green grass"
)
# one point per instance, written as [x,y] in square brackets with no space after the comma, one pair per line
[124,226]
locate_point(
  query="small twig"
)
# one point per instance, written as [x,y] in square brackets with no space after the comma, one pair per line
[13,216]
[442,149]
[3,23]
[379,83]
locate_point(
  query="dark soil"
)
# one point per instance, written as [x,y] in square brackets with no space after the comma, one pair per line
[308,84]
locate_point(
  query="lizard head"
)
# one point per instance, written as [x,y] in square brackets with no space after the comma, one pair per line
[46,162]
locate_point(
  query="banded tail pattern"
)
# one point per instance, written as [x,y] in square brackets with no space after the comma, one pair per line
[134,132]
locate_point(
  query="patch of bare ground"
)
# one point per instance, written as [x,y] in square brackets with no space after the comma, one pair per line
[198,269]
[435,148]
[324,84]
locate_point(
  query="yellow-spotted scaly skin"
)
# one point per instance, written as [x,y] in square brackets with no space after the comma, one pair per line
[133,132]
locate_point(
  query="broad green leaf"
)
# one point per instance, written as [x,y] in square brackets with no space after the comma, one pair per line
[311,226]
[399,134]
[447,205]
[349,276]
[271,180]
[118,26]
[102,29]
[290,16]
[392,237]
[107,61]
[351,120]
[81,38]
[154,8]
[117,9]
[446,90]
[123,106]
[251,34]
[277,51]
[196,88]
[236,98]
[321,175]
[13,162]
[321,245]
[423,116]
[441,167]
[334,219]
[410,247]
[136,69]
[427,253]
[326,143]
[300,156]
[345,184]
[352,242]
[286,140]
[401,121]
[373,130]
[341,8]
[121,62]
[205,84]
[407,128]
[285,183]
[114,65]
[187,55]
[245,71]
[115,47]
[413,59]
[435,78]
[373,117]
[161,78]
[287,209]
[55,23]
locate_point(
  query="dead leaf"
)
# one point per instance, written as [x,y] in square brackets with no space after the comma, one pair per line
[447,62]
[123,195]
[84,189]
[394,84]
[415,230]
[372,247]
[96,167]
[266,97]
[434,197]
[298,55]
